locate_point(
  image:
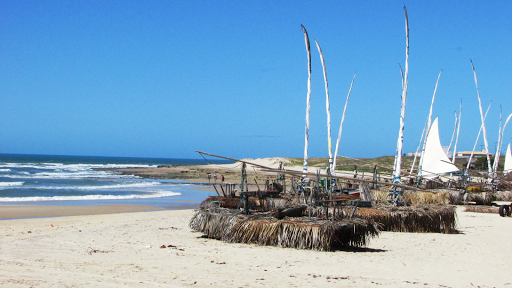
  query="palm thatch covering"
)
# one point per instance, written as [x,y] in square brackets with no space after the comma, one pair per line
[480,198]
[215,224]
[380,196]
[294,232]
[254,203]
[422,197]
[427,198]
[481,209]
[433,218]
[503,195]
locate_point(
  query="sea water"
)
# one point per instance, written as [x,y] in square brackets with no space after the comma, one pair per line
[79,180]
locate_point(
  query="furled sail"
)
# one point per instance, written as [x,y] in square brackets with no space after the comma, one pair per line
[308,100]
[327,105]
[397,167]
[435,161]
[508,161]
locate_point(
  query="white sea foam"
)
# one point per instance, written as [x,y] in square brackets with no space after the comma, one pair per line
[71,167]
[90,197]
[102,187]
[73,175]
[5,170]
[123,186]
[69,176]
[65,171]
[10,184]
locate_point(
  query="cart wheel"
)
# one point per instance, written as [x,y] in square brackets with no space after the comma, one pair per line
[504,210]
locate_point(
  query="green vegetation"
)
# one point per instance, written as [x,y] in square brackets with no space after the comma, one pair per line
[384,163]
[481,163]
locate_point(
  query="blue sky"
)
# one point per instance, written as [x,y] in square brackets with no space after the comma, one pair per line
[165,78]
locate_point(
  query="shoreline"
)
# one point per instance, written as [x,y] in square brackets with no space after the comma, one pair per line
[124,245]
[42,209]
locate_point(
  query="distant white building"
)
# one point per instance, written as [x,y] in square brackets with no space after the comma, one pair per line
[476,154]
[461,154]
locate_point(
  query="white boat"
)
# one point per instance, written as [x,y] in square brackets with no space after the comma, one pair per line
[434,160]
[508,161]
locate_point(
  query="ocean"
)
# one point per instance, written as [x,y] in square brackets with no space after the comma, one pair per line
[74,180]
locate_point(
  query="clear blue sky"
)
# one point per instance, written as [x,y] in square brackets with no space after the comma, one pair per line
[165,78]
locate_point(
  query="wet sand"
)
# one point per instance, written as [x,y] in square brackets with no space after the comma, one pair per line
[26,211]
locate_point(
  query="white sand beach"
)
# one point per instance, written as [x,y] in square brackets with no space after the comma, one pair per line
[124,250]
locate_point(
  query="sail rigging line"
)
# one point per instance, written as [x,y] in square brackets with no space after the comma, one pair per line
[308,100]
[233,159]
[418,149]
[333,170]
[457,138]
[477,137]
[454,130]
[494,164]
[483,121]
[500,143]
[429,121]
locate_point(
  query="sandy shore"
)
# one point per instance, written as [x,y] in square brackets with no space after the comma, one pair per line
[96,248]
[124,250]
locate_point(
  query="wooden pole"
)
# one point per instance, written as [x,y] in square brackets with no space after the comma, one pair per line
[217,191]
[257,184]
[222,188]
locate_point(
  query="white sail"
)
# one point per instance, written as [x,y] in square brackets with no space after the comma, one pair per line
[508,161]
[435,161]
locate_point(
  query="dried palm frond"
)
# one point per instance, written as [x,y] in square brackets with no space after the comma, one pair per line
[213,225]
[480,198]
[380,196]
[481,209]
[295,232]
[434,218]
[456,197]
[304,234]
[503,195]
[427,198]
